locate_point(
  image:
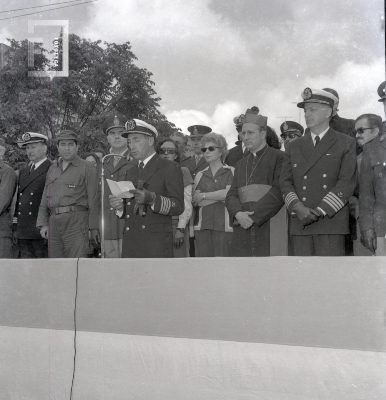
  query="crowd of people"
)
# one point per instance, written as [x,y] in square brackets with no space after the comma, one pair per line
[320,191]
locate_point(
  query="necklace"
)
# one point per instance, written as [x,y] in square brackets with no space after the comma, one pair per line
[253,170]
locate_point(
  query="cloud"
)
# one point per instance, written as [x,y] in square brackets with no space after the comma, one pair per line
[4,34]
[221,121]
[356,84]
[167,28]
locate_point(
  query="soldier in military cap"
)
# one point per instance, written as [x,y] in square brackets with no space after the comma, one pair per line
[254,197]
[158,196]
[115,168]
[32,180]
[67,201]
[237,153]
[318,177]
[290,130]
[372,184]
[197,162]
[7,191]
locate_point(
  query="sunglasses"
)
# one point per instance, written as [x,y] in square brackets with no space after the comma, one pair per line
[167,151]
[361,131]
[210,148]
[291,135]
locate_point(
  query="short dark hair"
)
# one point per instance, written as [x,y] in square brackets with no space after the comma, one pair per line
[161,142]
[373,120]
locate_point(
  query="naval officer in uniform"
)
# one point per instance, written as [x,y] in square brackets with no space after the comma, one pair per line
[158,196]
[29,194]
[318,177]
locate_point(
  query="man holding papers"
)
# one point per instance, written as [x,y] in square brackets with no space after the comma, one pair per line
[159,196]
[254,197]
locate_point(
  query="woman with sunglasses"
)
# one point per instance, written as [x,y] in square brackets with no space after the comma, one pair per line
[211,221]
[168,149]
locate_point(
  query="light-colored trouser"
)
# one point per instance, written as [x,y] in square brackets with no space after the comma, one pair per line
[381,247]
[113,248]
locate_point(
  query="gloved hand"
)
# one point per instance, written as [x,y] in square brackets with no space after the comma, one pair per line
[143,196]
[369,239]
[95,238]
[178,239]
[305,214]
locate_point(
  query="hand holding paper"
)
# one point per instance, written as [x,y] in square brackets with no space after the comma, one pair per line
[121,189]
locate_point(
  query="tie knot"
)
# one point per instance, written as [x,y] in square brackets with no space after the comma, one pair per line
[317,140]
[141,165]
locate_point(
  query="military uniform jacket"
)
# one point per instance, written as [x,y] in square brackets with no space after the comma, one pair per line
[372,188]
[194,167]
[323,176]
[151,236]
[235,155]
[7,191]
[29,195]
[113,225]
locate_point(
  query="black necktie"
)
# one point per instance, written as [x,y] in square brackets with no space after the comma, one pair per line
[317,140]
[140,169]
[32,168]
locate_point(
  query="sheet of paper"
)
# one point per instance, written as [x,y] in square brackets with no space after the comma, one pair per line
[121,189]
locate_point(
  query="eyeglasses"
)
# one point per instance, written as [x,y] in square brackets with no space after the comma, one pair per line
[167,151]
[210,148]
[291,135]
[361,130]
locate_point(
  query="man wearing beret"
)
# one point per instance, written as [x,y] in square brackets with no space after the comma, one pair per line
[318,177]
[240,151]
[255,197]
[290,130]
[67,201]
[115,169]
[7,191]
[32,180]
[372,184]
[197,162]
[158,196]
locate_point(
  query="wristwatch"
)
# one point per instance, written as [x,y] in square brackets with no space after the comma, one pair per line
[182,230]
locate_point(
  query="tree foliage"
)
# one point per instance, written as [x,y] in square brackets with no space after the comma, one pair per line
[102,78]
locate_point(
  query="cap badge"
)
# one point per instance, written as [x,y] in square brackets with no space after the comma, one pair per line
[116,120]
[384,90]
[307,93]
[26,137]
[195,131]
[130,125]
[285,126]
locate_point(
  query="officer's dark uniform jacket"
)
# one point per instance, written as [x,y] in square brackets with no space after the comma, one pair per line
[372,188]
[194,167]
[113,227]
[235,155]
[29,195]
[151,236]
[323,176]
[7,191]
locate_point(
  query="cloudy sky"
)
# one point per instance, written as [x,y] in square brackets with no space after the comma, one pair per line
[212,59]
